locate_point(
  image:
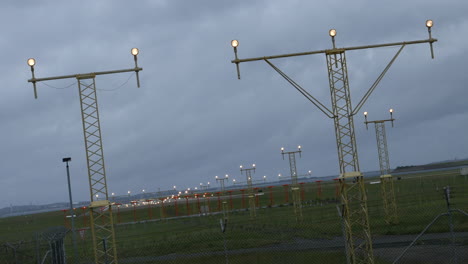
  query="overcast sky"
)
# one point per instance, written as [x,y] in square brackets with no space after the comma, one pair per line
[192,118]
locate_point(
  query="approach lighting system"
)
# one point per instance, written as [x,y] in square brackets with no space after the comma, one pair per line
[356,227]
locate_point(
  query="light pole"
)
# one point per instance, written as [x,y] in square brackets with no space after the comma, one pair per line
[386,179]
[72,214]
[353,193]
[248,174]
[103,235]
[221,181]
[295,190]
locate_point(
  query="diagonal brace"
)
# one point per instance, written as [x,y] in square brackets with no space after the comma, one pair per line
[372,88]
[312,99]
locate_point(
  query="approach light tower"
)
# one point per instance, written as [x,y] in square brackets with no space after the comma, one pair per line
[295,189]
[251,195]
[223,202]
[102,223]
[386,179]
[358,240]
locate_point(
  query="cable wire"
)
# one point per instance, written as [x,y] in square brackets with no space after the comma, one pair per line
[118,87]
[59,88]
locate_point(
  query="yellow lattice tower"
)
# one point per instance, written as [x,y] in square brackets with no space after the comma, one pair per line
[295,189]
[358,240]
[250,191]
[101,218]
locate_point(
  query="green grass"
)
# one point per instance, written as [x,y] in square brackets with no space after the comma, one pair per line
[419,200]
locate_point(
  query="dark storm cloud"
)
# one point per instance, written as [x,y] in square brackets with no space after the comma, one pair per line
[192,119]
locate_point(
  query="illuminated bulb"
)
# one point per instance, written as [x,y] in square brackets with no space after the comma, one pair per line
[391,110]
[282,149]
[234,43]
[365,113]
[135,51]
[31,62]
[332,32]
[253,165]
[299,147]
[429,23]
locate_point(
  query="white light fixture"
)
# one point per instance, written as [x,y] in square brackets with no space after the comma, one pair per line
[31,62]
[135,51]
[429,23]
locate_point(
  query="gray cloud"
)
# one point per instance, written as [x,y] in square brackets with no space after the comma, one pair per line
[192,119]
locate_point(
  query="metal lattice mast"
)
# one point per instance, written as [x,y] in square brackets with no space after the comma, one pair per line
[352,192]
[102,227]
[295,189]
[223,200]
[101,217]
[382,149]
[250,191]
[386,187]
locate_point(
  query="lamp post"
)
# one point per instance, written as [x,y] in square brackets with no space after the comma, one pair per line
[72,214]
[134,210]
[103,235]
[295,190]
[248,174]
[386,179]
[221,181]
[83,212]
[353,193]
[150,213]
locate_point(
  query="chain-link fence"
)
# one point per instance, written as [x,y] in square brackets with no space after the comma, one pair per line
[432,226]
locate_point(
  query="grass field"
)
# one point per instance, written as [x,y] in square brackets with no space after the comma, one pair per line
[274,236]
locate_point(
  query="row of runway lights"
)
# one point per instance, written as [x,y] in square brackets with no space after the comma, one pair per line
[173,200]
